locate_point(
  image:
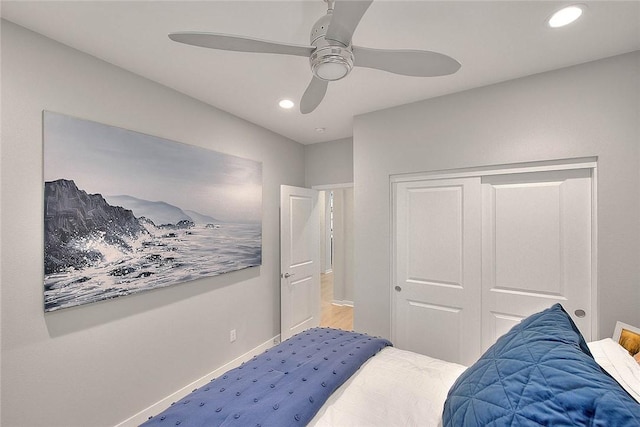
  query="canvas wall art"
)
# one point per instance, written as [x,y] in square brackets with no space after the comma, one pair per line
[126,212]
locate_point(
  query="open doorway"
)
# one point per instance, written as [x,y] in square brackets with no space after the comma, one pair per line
[336,221]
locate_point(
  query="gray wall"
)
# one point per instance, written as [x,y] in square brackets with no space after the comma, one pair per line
[99,364]
[587,110]
[349,227]
[329,162]
[343,245]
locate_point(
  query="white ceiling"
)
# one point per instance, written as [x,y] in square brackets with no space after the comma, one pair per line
[495,41]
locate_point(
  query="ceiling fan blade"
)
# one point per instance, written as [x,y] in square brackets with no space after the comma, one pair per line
[346,17]
[239,43]
[313,95]
[417,63]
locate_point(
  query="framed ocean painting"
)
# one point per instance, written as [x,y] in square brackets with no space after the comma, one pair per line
[126,212]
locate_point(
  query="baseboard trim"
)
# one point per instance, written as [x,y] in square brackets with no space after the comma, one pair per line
[342,303]
[158,407]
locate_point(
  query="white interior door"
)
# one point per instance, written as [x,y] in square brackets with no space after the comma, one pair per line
[437,289]
[536,248]
[299,260]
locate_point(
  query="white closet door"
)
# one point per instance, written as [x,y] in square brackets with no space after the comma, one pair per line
[437,244]
[536,248]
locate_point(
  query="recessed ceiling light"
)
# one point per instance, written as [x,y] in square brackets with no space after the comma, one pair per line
[320,130]
[565,16]
[287,104]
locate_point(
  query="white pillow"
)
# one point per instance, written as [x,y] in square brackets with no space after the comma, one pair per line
[617,361]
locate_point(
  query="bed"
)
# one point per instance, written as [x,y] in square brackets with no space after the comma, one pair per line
[541,372]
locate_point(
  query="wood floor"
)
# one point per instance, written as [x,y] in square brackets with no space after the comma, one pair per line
[333,316]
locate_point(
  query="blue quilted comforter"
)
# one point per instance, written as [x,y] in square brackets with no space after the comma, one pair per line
[541,373]
[284,386]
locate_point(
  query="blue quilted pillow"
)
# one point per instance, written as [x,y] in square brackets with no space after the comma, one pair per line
[540,373]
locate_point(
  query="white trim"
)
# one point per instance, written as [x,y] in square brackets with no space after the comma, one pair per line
[393,270]
[327,231]
[482,171]
[594,254]
[342,303]
[163,404]
[332,186]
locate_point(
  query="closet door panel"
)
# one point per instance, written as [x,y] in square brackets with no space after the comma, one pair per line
[536,248]
[437,268]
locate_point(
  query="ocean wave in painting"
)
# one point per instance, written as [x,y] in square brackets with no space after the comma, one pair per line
[161,258]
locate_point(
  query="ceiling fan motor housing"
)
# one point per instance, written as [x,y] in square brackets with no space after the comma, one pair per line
[332,59]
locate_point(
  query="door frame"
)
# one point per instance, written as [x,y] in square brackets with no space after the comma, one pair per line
[513,168]
[337,271]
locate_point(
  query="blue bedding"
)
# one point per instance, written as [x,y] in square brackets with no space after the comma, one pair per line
[284,386]
[541,373]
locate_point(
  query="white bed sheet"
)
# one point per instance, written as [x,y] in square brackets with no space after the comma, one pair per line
[614,359]
[393,388]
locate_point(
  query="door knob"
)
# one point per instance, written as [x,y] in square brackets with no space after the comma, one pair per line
[580,313]
[398,288]
[287,275]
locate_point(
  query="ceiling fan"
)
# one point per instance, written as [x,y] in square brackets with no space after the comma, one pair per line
[331,54]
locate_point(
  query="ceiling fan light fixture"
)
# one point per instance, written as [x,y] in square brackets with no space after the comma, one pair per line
[331,62]
[565,16]
[331,70]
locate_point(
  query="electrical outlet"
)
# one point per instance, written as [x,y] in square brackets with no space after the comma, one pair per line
[232,335]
